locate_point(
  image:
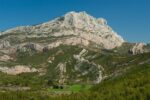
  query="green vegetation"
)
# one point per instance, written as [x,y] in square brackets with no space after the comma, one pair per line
[128,76]
[132,85]
[71,88]
[22,80]
[60,53]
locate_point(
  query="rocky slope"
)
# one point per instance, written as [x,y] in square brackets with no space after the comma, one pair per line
[64,50]
[77,28]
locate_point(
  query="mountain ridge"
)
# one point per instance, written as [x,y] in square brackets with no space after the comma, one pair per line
[73,23]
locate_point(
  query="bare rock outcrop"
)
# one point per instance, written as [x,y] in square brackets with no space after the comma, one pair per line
[138,48]
[86,67]
[83,27]
[5,58]
[69,41]
[4,44]
[30,46]
[18,69]
[61,67]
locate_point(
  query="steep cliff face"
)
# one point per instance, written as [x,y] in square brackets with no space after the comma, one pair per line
[81,27]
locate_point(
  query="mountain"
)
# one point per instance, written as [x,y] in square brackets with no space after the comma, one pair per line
[73,28]
[69,54]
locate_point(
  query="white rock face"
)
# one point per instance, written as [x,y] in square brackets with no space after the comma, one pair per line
[80,57]
[100,76]
[5,58]
[17,69]
[51,59]
[69,41]
[82,26]
[138,48]
[96,68]
[4,44]
[61,67]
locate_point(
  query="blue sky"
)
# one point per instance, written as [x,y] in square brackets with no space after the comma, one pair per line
[129,18]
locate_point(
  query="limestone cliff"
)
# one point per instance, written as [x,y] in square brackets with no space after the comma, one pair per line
[83,29]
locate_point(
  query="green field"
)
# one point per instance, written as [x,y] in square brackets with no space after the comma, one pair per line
[72,88]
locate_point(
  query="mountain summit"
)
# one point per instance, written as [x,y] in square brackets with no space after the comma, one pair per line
[74,28]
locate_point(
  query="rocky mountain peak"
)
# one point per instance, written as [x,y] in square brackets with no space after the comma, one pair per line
[81,27]
[83,20]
